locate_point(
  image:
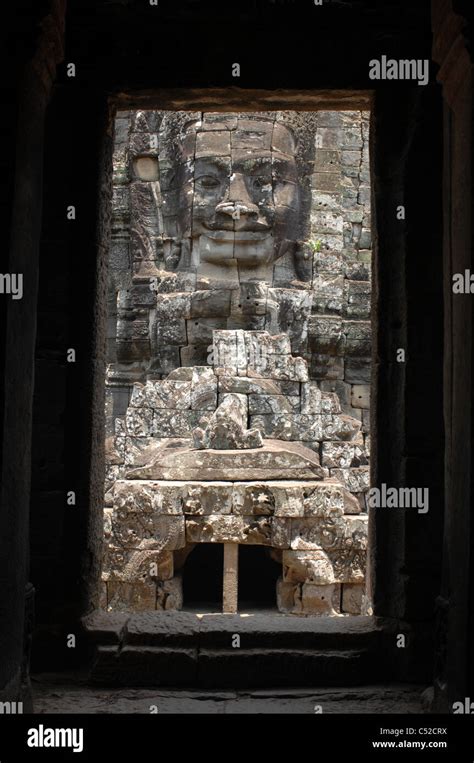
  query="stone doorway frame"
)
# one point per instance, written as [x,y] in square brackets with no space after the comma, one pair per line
[387,540]
[395,596]
[230,574]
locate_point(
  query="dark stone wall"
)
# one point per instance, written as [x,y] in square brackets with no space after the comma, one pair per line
[452,48]
[69,415]
[27,69]
[130,45]
[408,445]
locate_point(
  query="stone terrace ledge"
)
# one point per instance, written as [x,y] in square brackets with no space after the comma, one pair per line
[188,648]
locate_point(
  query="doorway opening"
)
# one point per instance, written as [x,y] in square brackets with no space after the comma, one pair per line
[238,383]
[258,575]
[202,578]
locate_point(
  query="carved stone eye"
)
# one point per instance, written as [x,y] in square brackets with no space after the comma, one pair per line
[260,181]
[208,181]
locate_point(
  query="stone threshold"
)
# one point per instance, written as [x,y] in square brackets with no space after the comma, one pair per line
[120,627]
[238,651]
[66,693]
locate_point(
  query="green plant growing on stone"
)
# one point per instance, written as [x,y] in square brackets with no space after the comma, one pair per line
[316,245]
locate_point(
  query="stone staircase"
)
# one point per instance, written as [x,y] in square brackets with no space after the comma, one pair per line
[183,649]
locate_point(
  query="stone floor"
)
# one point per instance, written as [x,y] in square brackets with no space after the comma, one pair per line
[59,693]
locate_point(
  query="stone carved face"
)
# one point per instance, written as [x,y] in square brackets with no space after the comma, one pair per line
[238,197]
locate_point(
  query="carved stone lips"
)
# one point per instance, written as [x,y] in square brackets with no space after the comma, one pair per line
[238,236]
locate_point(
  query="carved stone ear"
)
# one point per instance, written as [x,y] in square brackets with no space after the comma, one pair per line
[303,259]
[173,257]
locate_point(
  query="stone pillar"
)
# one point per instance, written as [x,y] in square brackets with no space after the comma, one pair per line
[451,46]
[20,337]
[230,593]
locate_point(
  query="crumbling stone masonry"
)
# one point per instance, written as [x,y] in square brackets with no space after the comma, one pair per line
[239,348]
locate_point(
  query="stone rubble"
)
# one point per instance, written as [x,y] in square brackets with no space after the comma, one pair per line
[310,516]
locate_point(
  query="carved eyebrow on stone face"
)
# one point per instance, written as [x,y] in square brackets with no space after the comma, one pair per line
[251,164]
[209,163]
